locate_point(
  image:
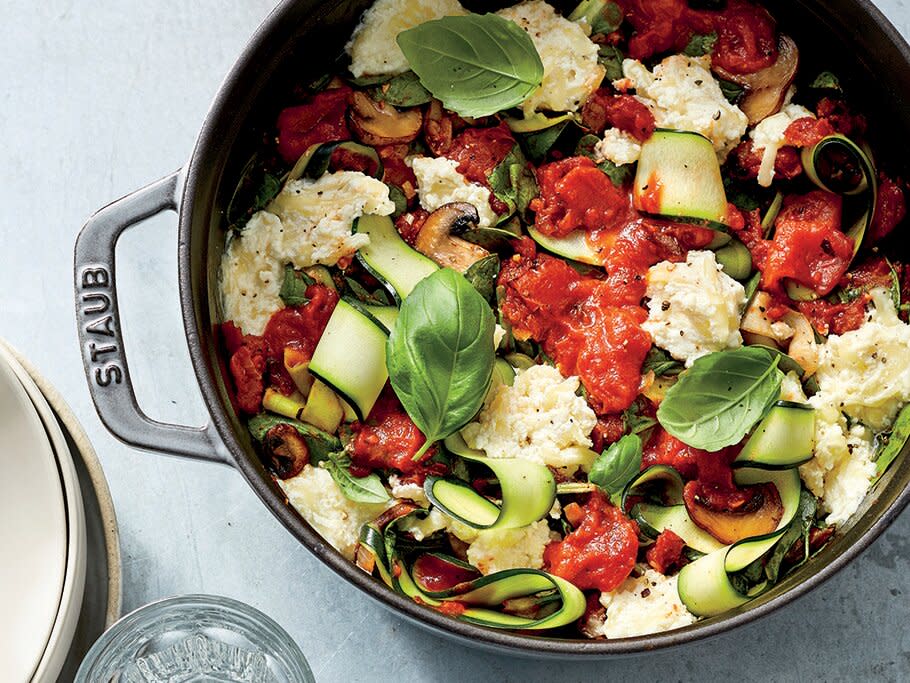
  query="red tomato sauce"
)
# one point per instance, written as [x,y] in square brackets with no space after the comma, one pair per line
[745,162]
[890,208]
[389,439]
[600,553]
[666,553]
[322,119]
[746,33]
[434,574]
[478,152]
[604,109]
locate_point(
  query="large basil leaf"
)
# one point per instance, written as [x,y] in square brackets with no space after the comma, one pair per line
[440,354]
[721,397]
[613,468]
[513,182]
[476,64]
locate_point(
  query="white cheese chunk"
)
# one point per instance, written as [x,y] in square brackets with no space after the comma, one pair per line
[617,146]
[643,605]
[309,222]
[864,374]
[500,549]
[439,183]
[683,95]
[571,71]
[316,496]
[694,307]
[538,418]
[373,48]
[768,138]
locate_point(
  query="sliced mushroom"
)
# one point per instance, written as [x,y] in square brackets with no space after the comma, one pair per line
[286,450]
[803,347]
[767,89]
[751,511]
[378,123]
[436,240]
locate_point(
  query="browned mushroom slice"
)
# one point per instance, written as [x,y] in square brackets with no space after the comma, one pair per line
[286,450]
[744,513]
[378,123]
[436,240]
[767,89]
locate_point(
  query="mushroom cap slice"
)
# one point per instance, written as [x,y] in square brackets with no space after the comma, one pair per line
[378,123]
[437,241]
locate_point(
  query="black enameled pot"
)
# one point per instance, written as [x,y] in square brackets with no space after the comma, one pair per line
[301,38]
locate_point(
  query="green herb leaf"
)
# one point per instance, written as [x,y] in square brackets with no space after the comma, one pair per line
[293,288]
[538,144]
[476,64]
[661,363]
[895,286]
[751,285]
[367,489]
[721,397]
[732,91]
[610,57]
[440,354]
[613,468]
[513,182]
[826,81]
[635,422]
[619,175]
[739,197]
[396,195]
[403,90]
[700,45]
[799,529]
[482,276]
[892,444]
[603,16]
[321,444]
[379,297]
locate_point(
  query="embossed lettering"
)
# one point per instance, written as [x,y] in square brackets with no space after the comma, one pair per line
[104,303]
[109,373]
[96,277]
[97,351]
[101,326]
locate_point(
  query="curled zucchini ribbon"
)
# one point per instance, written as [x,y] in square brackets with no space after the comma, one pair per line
[316,160]
[528,491]
[784,439]
[837,164]
[542,601]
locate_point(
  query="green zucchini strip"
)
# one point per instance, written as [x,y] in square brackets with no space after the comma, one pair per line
[661,477]
[528,491]
[784,438]
[315,161]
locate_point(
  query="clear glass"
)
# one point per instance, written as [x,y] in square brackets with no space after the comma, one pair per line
[194,638]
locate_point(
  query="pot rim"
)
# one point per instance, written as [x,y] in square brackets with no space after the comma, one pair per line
[262,484]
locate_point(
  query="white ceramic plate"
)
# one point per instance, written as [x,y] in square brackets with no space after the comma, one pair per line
[64,628]
[33,532]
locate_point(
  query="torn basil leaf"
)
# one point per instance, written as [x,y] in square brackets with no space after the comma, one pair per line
[799,529]
[513,182]
[482,276]
[700,45]
[538,144]
[610,58]
[368,489]
[403,90]
[732,91]
[613,468]
[891,444]
[826,81]
[293,287]
[661,363]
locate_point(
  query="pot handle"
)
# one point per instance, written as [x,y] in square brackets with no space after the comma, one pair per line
[101,339]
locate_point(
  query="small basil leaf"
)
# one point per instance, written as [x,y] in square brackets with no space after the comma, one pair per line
[613,468]
[619,175]
[482,276]
[732,91]
[826,81]
[700,45]
[404,90]
[610,57]
[538,144]
[513,182]
[377,298]
[661,363]
[396,195]
[476,64]
[367,489]
[721,397]
[440,354]
[293,287]
[799,529]
[892,444]
[635,422]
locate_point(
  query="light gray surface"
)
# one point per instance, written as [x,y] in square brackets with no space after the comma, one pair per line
[101,97]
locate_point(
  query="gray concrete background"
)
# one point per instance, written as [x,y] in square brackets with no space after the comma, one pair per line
[101,97]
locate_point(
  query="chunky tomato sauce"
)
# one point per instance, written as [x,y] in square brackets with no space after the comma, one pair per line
[746,33]
[600,553]
[666,553]
[478,152]
[435,574]
[322,119]
[605,109]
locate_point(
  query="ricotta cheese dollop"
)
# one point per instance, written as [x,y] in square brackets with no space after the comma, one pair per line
[571,71]
[647,604]
[682,94]
[539,418]
[694,308]
[500,549]
[439,183]
[768,137]
[373,48]
[309,222]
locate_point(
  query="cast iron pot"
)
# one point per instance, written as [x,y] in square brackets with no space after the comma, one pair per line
[849,36]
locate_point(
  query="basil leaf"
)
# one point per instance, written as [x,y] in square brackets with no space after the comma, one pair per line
[379,297]
[603,16]
[321,444]
[892,444]
[293,287]
[396,195]
[895,286]
[732,91]
[367,489]
[751,285]
[482,276]
[619,175]
[476,64]
[403,90]
[721,397]
[700,45]
[661,363]
[799,529]
[826,81]
[513,182]
[440,354]
[635,422]
[538,144]
[613,468]
[610,57]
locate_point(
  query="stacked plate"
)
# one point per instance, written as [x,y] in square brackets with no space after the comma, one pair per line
[46,546]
